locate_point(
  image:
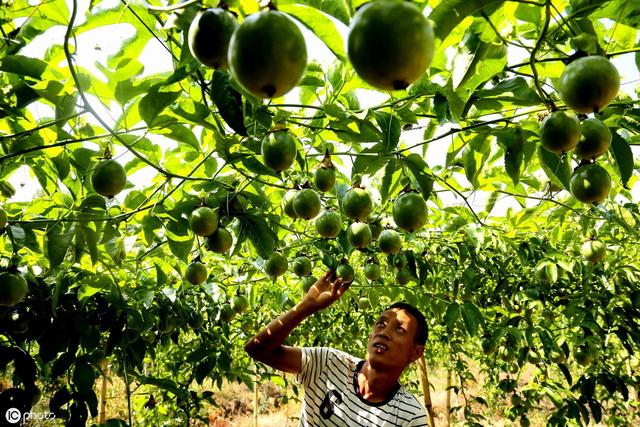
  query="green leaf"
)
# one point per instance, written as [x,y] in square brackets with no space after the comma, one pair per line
[449,13]
[558,170]
[229,101]
[472,318]
[58,243]
[623,157]
[62,165]
[387,180]
[320,24]
[180,240]
[23,66]
[390,127]
[512,142]
[259,233]
[452,315]
[181,134]
[420,171]
[154,102]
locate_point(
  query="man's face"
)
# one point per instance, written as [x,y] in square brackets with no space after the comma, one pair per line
[392,340]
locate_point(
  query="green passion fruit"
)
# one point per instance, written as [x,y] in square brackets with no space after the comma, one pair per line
[403,276]
[302,266]
[203,221]
[410,211]
[13,289]
[593,251]
[240,304]
[560,132]
[209,36]
[328,224]
[220,241]
[108,178]
[372,271]
[357,204]
[196,273]
[346,273]
[324,178]
[590,183]
[276,265]
[279,150]
[595,139]
[390,241]
[359,234]
[390,43]
[287,203]
[306,204]
[589,84]
[307,283]
[267,54]
[3,219]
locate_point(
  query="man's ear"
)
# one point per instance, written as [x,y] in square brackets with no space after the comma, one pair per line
[418,351]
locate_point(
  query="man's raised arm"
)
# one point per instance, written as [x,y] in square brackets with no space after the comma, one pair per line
[267,346]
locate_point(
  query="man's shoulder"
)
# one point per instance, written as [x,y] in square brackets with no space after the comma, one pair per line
[408,401]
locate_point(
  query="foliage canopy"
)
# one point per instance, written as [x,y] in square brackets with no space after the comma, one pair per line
[496,268]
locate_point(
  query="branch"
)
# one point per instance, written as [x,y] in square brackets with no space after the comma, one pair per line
[543,95]
[62,143]
[466,201]
[545,199]
[42,126]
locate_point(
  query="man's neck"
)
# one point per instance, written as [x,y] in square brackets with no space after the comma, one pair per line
[375,385]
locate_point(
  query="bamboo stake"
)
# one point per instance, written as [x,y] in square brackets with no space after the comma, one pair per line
[255,403]
[102,414]
[426,391]
[448,397]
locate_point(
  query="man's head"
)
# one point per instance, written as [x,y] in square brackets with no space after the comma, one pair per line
[398,337]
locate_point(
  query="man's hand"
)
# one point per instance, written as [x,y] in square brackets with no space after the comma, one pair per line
[327,290]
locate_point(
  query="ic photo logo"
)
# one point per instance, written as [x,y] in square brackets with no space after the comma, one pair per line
[14,416]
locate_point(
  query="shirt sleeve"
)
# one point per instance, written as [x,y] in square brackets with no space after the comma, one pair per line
[313,361]
[420,420]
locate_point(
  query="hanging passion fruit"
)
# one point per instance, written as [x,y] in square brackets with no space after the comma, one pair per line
[390,43]
[279,150]
[595,139]
[560,132]
[267,54]
[589,84]
[108,178]
[209,36]
[590,183]
[410,211]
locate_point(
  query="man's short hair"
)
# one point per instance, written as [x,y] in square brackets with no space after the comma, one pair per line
[422,332]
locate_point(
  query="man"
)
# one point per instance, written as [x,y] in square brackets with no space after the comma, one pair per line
[342,390]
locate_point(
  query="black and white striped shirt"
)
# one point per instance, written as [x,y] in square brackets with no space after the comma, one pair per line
[329,378]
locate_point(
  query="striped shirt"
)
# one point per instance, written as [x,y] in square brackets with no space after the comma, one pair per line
[329,379]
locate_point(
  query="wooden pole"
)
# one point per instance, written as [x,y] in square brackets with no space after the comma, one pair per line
[255,402]
[102,413]
[422,363]
[448,397]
